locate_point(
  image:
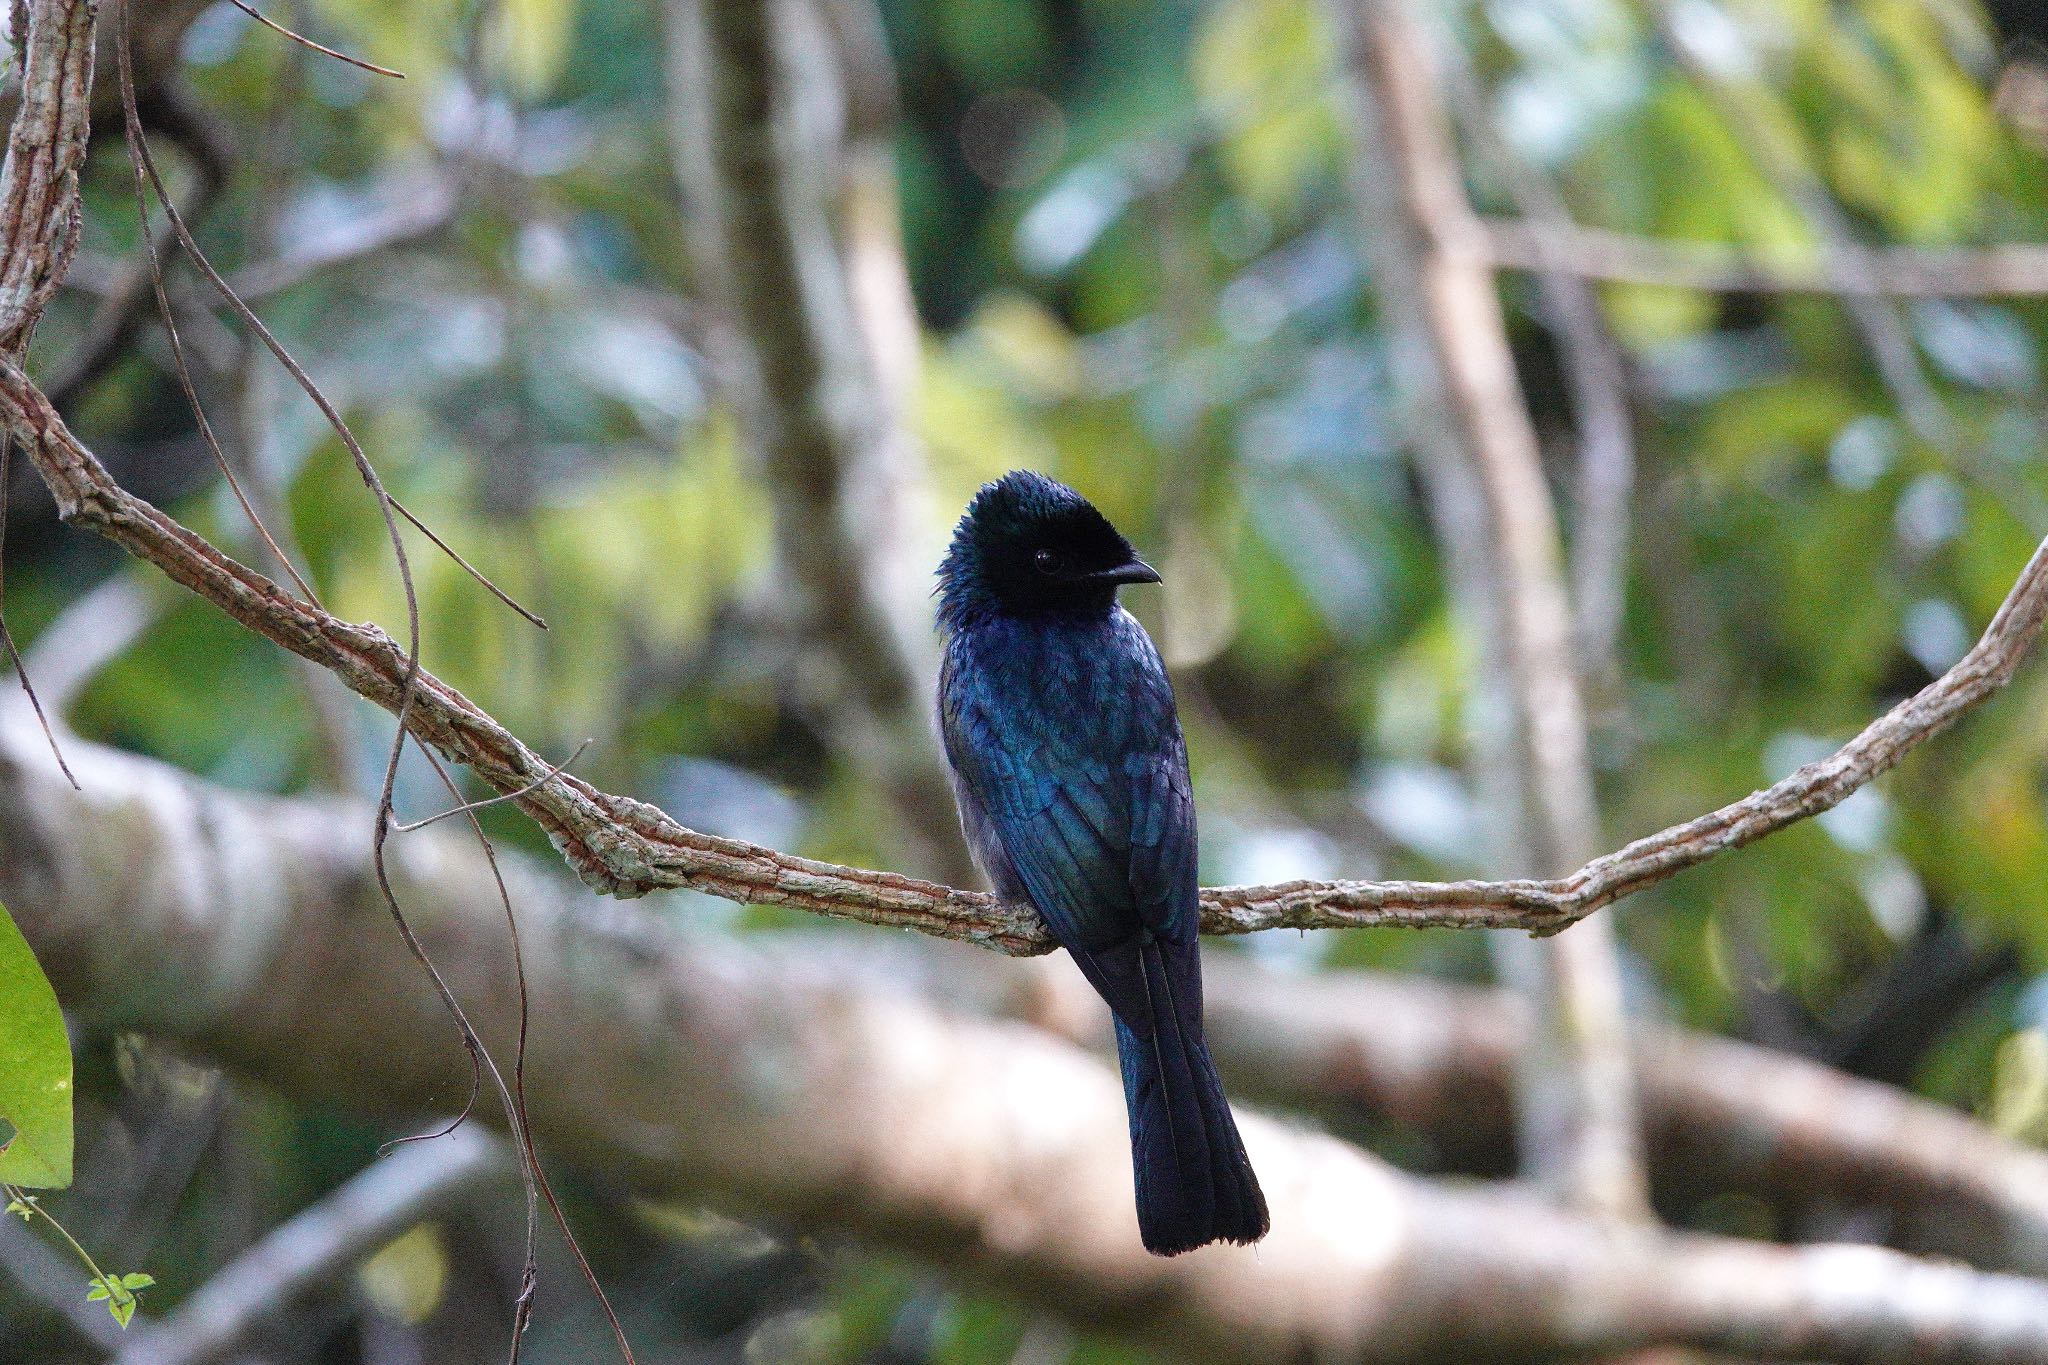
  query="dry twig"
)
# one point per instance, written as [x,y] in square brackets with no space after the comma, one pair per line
[305,42]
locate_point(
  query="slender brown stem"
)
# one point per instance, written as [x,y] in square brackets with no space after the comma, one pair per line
[303,41]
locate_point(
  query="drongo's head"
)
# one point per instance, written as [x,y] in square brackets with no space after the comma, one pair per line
[1031,546]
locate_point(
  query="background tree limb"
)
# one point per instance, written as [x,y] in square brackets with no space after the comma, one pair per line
[1843,268]
[815,343]
[1477,449]
[331,1236]
[694,1066]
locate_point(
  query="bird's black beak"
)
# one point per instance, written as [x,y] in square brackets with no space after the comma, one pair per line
[1137,571]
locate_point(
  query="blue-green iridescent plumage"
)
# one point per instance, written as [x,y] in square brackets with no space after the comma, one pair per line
[1072,780]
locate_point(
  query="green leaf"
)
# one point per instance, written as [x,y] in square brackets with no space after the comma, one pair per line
[116,1290]
[35,1069]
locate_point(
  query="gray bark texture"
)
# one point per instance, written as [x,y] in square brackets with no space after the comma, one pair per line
[782,1084]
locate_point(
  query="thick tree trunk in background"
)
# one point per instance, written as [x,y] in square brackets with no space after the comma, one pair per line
[246,929]
[782,151]
[1718,1115]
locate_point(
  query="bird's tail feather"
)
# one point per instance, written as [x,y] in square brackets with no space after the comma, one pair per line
[1195,1183]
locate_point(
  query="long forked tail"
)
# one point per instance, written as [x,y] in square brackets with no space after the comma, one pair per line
[1195,1183]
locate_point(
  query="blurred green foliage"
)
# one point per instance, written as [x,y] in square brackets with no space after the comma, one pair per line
[1145,278]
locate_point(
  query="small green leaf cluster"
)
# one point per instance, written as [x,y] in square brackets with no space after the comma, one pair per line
[119,1293]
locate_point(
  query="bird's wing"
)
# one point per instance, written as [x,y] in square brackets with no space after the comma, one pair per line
[1094,813]
[1164,878]
[1056,812]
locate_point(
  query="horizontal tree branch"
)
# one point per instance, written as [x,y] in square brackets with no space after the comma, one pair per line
[2018,270]
[627,847]
[692,1065]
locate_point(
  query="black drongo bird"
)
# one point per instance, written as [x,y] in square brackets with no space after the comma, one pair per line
[1072,780]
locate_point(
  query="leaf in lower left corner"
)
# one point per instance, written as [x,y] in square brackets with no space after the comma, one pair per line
[35,1069]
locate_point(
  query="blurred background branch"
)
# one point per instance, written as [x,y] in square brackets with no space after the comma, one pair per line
[814,1094]
[334,1235]
[1477,449]
[789,205]
[1841,268]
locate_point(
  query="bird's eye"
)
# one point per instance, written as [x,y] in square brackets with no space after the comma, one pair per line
[1049,561]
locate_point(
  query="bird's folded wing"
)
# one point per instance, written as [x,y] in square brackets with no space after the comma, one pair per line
[1104,846]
